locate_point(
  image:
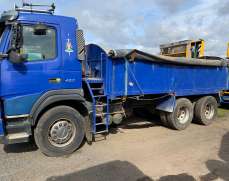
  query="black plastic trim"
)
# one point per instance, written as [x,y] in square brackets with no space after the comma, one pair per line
[53,97]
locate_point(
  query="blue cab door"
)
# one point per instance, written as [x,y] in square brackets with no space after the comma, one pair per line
[42,70]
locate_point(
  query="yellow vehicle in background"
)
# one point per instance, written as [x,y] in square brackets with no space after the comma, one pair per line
[186,48]
[228,51]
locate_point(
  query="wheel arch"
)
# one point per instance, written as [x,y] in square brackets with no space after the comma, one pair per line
[72,98]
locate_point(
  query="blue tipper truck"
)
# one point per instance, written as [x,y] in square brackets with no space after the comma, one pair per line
[59,91]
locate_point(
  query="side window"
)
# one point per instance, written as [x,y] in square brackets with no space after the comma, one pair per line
[39,47]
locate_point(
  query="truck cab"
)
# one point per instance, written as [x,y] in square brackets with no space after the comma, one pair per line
[39,68]
[49,42]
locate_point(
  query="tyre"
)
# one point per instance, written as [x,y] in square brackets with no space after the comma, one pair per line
[205,110]
[164,119]
[182,116]
[60,131]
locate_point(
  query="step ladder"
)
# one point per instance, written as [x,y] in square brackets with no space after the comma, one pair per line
[100,106]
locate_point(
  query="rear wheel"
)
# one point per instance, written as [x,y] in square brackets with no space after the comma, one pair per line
[182,116]
[59,131]
[164,119]
[206,110]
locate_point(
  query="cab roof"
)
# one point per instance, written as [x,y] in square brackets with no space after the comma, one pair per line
[13,15]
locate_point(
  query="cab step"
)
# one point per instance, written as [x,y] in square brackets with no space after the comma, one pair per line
[97,124]
[99,96]
[101,114]
[16,138]
[97,88]
[100,105]
[101,132]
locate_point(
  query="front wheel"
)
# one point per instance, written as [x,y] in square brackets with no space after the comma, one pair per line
[59,131]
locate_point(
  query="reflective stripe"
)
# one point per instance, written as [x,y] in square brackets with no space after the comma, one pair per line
[18,116]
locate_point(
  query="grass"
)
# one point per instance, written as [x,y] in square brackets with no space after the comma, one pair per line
[222,112]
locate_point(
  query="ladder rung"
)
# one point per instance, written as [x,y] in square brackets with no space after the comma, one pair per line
[100,96]
[94,80]
[101,105]
[100,115]
[97,124]
[118,112]
[97,88]
[99,132]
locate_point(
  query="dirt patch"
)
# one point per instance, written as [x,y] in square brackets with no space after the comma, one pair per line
[139,150]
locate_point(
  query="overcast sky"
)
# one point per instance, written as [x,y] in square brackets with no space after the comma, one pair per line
[145,24]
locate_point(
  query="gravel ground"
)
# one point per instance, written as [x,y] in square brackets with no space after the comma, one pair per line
[139,150]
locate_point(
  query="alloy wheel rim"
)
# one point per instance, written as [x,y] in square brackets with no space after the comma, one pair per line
[183,115]
[62,133]
[209,111]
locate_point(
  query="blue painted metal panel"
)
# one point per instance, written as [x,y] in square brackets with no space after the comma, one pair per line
[155,78]
[3,42]
[19,79]
[142,77]
[2,125]
[96,61]
[224,98]
[20,104]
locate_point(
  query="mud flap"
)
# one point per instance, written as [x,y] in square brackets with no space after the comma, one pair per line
[88,129]
[167,105]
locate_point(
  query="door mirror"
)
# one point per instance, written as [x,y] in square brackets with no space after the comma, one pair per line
[81,45]
[16,36]
[16,43]
[15,57]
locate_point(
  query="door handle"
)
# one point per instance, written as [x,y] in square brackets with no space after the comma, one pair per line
[55,80]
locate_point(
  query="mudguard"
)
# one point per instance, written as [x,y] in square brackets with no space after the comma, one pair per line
[167,105]
[52,97]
